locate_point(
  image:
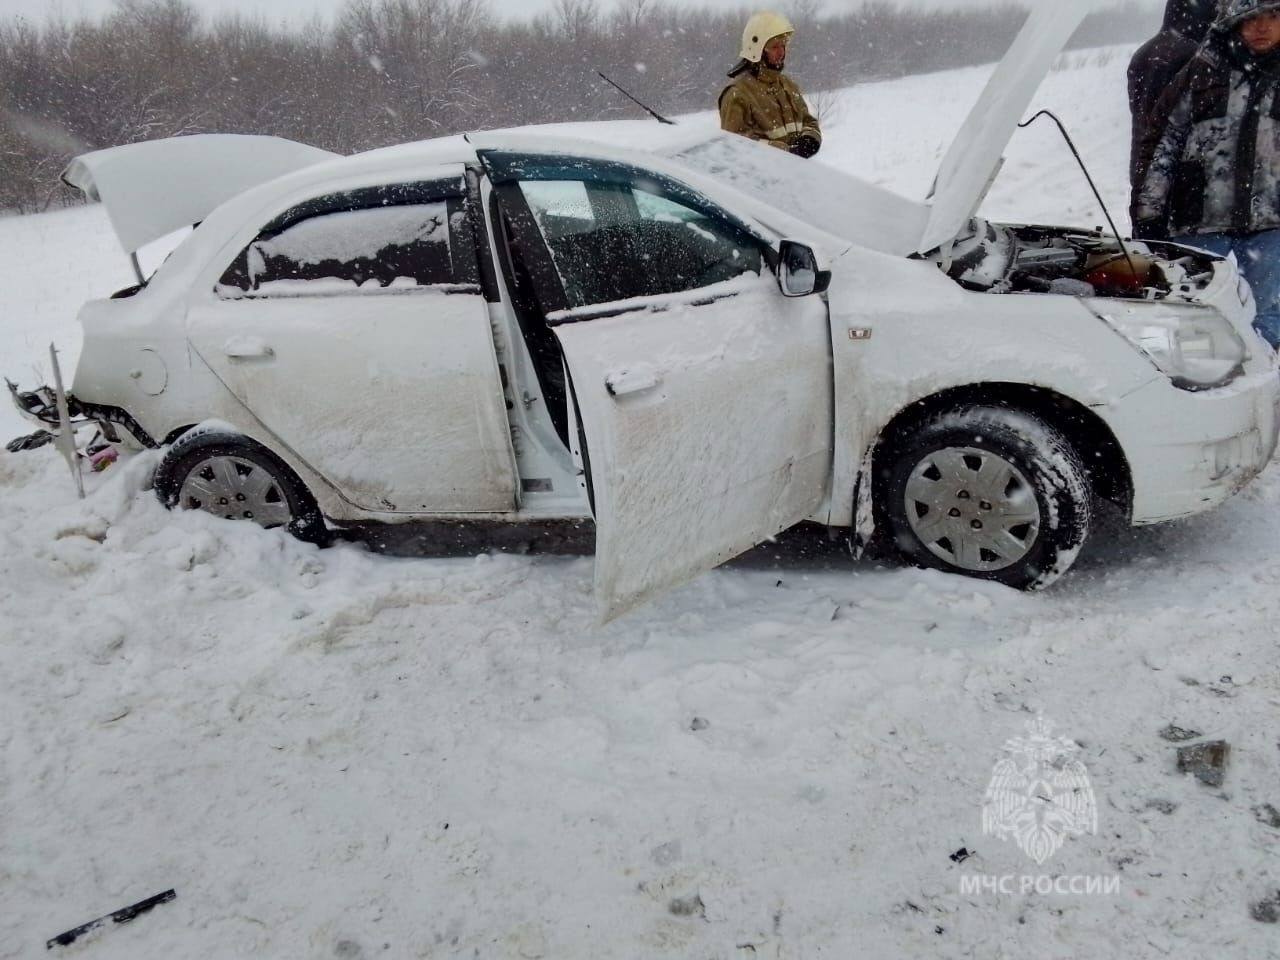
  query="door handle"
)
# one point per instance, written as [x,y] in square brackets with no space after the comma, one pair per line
[248,348]
[625,382]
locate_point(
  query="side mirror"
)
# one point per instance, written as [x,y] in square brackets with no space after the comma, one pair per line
[798,273]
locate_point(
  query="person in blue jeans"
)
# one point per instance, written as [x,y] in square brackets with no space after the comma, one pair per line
[1259,258]
[1214,177]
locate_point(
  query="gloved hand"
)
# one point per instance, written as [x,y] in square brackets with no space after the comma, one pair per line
[805,146]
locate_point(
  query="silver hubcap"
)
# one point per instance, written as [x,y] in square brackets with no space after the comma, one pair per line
[973,509]
[236,489]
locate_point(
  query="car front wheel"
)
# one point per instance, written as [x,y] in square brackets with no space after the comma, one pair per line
[990,493]
[231,476]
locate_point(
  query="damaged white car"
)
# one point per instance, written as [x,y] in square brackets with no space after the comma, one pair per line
[506,328]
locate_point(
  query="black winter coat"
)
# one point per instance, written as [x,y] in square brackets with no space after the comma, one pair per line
[1153,70]
[1216,167]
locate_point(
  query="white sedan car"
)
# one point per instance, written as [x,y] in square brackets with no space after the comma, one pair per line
[698,346]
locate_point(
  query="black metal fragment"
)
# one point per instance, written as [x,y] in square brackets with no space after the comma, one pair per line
[30,442]
[123,915]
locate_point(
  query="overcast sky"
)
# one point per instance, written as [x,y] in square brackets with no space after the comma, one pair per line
[298,10]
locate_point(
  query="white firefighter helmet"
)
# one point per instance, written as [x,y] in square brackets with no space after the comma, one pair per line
[760,29]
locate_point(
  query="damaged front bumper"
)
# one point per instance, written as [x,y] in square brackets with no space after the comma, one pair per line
[1206,448]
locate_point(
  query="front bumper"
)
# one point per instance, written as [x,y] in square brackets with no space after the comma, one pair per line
[1191,452]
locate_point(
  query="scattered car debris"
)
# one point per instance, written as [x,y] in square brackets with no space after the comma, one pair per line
[103,458]
[1163,806]
[688,907]
[123,915]
[1266,911]
[699,723]
[1267,814]
[1208,761]
[961,855]
[32,441]
[1176,734]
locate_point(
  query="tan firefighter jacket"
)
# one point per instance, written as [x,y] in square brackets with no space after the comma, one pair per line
[764,104]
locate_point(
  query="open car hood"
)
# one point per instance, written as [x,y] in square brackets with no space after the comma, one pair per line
[870,216]
[976,154]
[153,188]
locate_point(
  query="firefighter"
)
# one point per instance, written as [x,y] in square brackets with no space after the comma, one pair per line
[763,104]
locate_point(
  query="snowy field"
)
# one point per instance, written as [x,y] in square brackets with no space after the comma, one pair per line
[335,754]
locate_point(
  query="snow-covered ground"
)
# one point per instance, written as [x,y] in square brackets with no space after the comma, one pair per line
[335,754]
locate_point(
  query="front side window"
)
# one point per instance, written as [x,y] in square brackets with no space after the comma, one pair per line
[617,241]
[347,243]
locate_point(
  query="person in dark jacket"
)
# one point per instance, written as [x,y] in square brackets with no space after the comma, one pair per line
[1214,177]
[1153,69]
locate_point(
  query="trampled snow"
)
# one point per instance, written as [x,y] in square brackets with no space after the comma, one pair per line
[337,754]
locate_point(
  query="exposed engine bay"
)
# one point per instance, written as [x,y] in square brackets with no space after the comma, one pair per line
[995,258]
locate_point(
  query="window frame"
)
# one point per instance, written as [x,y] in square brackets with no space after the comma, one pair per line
[508,170]
[463,253]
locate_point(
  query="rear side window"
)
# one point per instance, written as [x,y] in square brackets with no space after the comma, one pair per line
[366,242]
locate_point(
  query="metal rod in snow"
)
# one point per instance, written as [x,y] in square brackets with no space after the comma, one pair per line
[639,103]
[66,436]
[124,915]
[1092,186]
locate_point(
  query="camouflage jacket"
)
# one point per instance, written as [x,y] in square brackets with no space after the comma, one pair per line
[764,104]
[1216,168]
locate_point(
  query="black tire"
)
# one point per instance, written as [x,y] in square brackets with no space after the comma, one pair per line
[978,439]
[198,447]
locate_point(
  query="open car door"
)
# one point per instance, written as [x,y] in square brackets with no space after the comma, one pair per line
[703,392]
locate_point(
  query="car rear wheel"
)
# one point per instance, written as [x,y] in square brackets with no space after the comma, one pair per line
[233,477]
[988,493]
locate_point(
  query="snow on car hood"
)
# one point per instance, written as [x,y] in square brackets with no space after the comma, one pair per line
[843,205]
[835,202]
[153,188]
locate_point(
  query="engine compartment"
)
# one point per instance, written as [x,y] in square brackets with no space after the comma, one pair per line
[1001,259]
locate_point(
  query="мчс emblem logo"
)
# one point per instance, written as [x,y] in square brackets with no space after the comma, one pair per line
[1039,793]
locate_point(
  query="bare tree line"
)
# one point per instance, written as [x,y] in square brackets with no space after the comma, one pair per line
[390,71]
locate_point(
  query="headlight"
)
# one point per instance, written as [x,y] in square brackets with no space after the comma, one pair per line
[1195,346]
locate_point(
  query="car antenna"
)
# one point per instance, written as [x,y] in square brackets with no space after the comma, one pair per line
[1092,186]
[641,104]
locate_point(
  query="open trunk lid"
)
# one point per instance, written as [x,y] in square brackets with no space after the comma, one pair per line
[152,188]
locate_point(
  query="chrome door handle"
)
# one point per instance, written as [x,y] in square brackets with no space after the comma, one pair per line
[626,382]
